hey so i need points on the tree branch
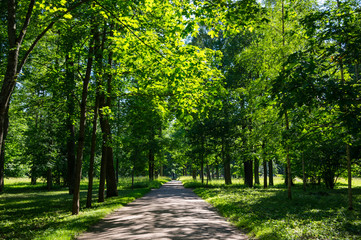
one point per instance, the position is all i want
(41, 35)
(20, 39)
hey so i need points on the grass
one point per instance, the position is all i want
(30, 212)
(318, 213)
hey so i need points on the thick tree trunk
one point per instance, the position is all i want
(248, 173)
(256, 171)
(81, 138)
(270, 172)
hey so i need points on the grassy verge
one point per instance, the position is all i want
(30, 212)
(317, 213)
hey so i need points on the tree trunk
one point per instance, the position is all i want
(217, 171)
(256, 171)
(303, 173)
(70, 82)
(2, 155)
(264, 166)
(208, 174)
(92, 154)
(270, 172)
(112, 190)
(151, 164)
(103, 166)
(349, 176)
(81, 139)
(49, 179)
(264, 173)
(248, 173)
(194, 174)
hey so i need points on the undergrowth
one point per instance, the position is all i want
(317, 213)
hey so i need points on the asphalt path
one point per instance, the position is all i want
(169, 213)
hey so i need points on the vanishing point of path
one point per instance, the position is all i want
(171, 212)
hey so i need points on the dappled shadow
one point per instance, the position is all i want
(41, 210)
(171, 212)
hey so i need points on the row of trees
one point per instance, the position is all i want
(292, 95)
(152, 87)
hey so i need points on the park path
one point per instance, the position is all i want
(171, 212)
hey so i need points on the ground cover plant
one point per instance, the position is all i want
(317, 213)
(31, 212)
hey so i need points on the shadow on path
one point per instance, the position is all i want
(171, 212)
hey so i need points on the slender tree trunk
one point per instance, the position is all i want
(70, 81)
(265, 174)
(270, 172)
(256, 171)
(227, 167)
(303, 173)
(117, 170)
(92, 155)
(349, 176)
(2, 155)
(217, 171)
(103, 166)
(264, 166)
(49, 179)
(202, 170)
(81, 139)
(208, 174)
(151, 164)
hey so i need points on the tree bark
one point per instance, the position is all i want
(248, 173)
(265, 174)
(270, 172)
(264, 166)
(49, 179)
(256, 171)
(2, 155)
(92, 154)
(349, 176)
(70, 82)
(151, 164)
(303, 173)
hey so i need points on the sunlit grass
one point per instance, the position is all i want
(31, 212)
(317, 213)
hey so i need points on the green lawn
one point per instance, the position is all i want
(31, 212)
(317, 213)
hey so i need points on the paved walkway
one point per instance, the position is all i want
(171, 212)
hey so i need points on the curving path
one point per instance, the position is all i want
(171, 212)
